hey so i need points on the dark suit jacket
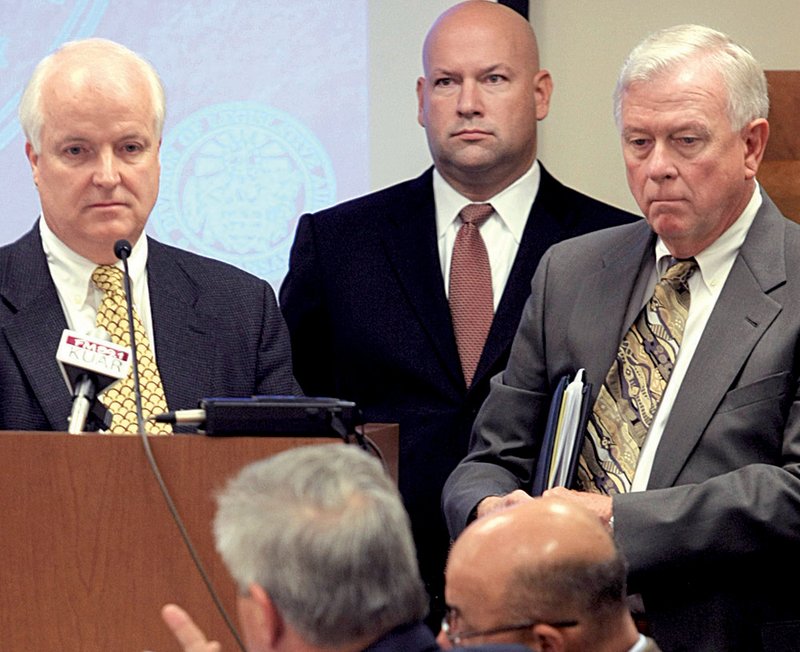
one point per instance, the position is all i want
(369, 321)
(218, 332)
(716, 536)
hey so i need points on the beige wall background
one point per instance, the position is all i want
(583, 44)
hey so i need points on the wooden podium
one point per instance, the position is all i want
(89, 551)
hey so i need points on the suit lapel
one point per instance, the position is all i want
(542, 229)
(545, 227)
(408, 237)
(184, 337)
(182, 334)
(609, 300)
(34, 331)
(743, 312)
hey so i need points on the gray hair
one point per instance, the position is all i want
(323, 530)
(662, 51)
(31, 113)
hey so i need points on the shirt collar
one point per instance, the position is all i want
(512, 204)
(720, 253)
(70, 269)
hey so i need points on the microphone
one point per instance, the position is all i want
(90, 364)
(122, 249)
(196, 417)
(303, 416)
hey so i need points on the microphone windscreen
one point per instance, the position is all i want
(122, 249)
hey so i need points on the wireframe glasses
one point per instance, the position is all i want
(456, 638)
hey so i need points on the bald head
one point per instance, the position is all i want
(543, 531)
(483, 19)
(528, 538)
(481, 97)
(547, 561)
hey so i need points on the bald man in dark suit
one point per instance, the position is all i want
(366, 297)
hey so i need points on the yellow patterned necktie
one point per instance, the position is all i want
(121, 398)
(629, 397)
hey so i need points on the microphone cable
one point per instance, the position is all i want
(122, 249)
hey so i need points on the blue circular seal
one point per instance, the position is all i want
(234, 179)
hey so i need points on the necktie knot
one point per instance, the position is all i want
(108, 278)
(476, 214)
(678, 272)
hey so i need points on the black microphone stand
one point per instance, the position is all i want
(122, 249)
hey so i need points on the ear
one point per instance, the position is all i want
(33, 159)
(547, 639)
(262, 624)
(755, 136)
(421, 101)
(543, 89)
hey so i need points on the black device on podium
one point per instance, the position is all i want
(280, 415)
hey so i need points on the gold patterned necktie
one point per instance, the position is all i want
(121, 398)
(470, 290)
(629, 397)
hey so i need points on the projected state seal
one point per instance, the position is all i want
(234, 178)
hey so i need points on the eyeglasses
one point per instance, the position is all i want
(456, 639)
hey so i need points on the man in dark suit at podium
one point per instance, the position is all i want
(92, 114)
(375, 311)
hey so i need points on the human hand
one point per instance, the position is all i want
(492, 504)
(186, 632)
(600, 504)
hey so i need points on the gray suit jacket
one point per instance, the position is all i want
(717, 534)
(218, 332)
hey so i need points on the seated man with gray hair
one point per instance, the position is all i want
(320, 545)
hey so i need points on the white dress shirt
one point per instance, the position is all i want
(641, 644)
(80, 298)
(502, 231)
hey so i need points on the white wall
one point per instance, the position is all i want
(397, 28)
(583, 44)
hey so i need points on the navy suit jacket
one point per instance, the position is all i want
(218, 332)
(369, 320)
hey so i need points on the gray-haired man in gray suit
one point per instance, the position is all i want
(709, 516)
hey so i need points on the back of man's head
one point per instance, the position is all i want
(323, 531)
(548, 562)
